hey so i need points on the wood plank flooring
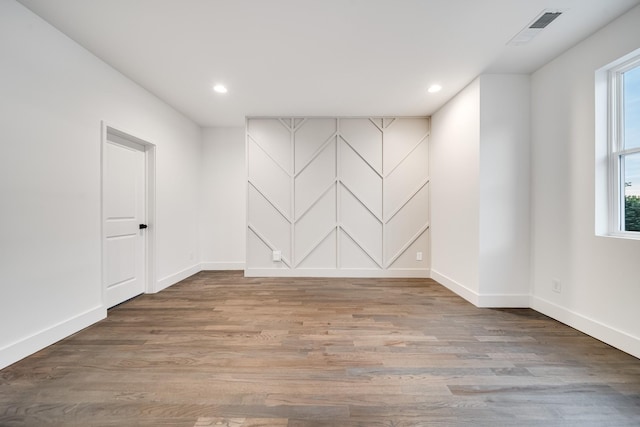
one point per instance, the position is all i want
(219, 349)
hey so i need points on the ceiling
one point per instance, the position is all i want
(317, 57)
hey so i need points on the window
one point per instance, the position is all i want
(624, 147)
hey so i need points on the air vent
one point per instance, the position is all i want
(533, 29)
(546, 19)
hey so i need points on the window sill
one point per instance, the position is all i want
(631, 235)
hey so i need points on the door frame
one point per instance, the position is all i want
(150, 285)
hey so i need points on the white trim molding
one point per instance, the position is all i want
(482, 300)
(172, 279)
(455, 287)
(219, 265)
(504, 300)
(607, 334)
(27, 346)
(320, 272)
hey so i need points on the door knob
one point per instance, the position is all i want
(143, 226)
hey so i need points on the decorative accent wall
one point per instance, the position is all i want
(337, 197)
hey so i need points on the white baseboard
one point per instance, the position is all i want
(214, 265)
(176, 277)
(319, 272)
(196, 268)
(36, 342)
(455, 287)
(618, 339)
(482, 300)
(504, 300)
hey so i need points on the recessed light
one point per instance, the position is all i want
(434, 88)
(220, 88)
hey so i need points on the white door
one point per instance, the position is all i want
(124, 216)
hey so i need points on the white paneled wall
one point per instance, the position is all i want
(338, 197)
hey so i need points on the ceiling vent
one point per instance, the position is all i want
(545, 19)
(533, 29)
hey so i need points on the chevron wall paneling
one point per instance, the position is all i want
(338, 197)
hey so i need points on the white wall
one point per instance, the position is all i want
(223, 203)
(480, 192)
(504, 216)
(338, 196)
(455, 174)
(600, 276)
(53, 96)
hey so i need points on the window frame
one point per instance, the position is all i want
(615, 146)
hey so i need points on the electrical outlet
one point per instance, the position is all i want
(277, 256)
(418, 256)
(556, 286)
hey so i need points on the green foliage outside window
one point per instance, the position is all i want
(632, 213)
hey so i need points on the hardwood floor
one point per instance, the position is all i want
(219, 349)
